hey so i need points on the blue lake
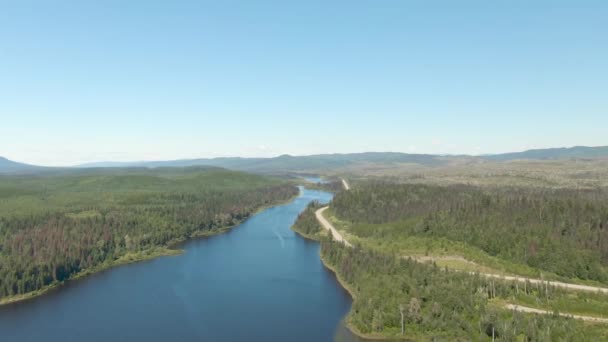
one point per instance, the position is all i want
(258, 282)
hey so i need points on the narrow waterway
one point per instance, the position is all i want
(258, 282)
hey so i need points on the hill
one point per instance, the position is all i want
(286, 163)
(321, 162)
(9, 166)
(576, 152)
(341, 162)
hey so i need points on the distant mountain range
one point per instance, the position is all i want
(577, 152)
(9, 166)
(288, 163)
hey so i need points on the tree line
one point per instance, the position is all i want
(564, 231)
(399, 297)
(50, 246)
(395, 295)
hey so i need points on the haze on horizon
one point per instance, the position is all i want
(118, 81)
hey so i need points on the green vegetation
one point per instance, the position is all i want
(564, 232)
(55, 226)
(331, 186)
(307, 224)
(559, 300)
(438, 304)
(410, 237)
(453, 254)
(573, 174)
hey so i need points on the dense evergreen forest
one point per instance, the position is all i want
(562, 231)
(429, 303)
(441, 305)
(307, 224)
(53, 226)
(331, 186)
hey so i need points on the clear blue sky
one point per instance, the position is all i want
(139, 80)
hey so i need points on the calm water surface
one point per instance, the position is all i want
(258, 282)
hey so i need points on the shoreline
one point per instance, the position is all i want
(130, 258)
(347, 323)
(345, 286)
(318, 237)
(171, 248)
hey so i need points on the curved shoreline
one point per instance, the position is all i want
(169, 249)
(338, 237)
(345, 286)
(324, 223)
(351, 292)
(126, 259)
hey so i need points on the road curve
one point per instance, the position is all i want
(334, 232)
(547, 312)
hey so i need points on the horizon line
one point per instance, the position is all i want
(84, 163)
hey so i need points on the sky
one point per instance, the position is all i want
(84, 81)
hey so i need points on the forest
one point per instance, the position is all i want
(398, 297)
(329, 186)
(54, 226)
(564, 231)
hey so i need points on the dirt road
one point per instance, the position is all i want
(546, 312)
(334, 232)
(550, 283)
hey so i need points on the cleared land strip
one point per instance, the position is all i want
(547, 282)
(547, 312)
(577, 287)
(533, 281)
(346, 186)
